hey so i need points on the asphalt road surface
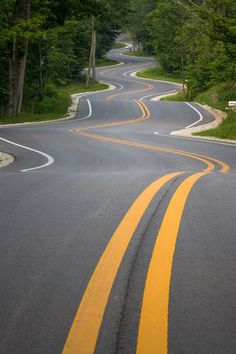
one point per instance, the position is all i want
(117, 237)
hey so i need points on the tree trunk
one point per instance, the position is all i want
(17, 62)
(94, 54)
(22, 78)
(91, 54)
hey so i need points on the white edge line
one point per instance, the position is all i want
(112, 85)
(75, 96)
(199, 113)
(198, 139)
(134, 74)
(109, 66)
(130, 72)
(49, 158)
(90, 111)
(158, 94)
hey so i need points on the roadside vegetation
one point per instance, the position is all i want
(194, 43)
(218, 97)
(118, 45)
(138, 53)
(45, 48)
(105, 62)
(227, 130)
(158, 73)
(54, 105)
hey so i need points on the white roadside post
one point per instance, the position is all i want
(232, 105)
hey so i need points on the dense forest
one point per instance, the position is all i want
(46, 44)
(195, 39)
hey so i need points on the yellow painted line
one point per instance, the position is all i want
(224, 166)
(112, 69)
(86, 325)
(209, 161)
(203, 159)
(153, 326)
(149, 88)
(145, 115)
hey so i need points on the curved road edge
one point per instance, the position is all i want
(218, 115)
(71, 112)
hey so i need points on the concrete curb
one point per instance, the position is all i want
(217, 114)
(71, 110)
(219, 118)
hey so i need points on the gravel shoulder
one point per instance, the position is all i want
(5, 159)
(219, 118)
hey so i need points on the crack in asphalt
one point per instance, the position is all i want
(123, 312)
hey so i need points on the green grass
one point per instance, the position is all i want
(138, 53)
(227, 130)
(118, 45)
(216, 97)
(54, 107)
(105, 62)
(179, 97)
(158, 74)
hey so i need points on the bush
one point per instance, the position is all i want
(51, 90)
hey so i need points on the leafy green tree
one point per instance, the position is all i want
(192, 38)
(45, 43)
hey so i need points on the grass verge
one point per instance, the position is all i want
(158, 74)
(226, 130)
(54, 107)
(119, 45)
(137, 53)
(105, 62)
(216, 97)
(179, 97)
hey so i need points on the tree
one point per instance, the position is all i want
(53, 37)
(18, 47)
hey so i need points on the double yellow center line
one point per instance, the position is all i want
(85, 328)
(149, 87)
(209, 161)
(153, 326)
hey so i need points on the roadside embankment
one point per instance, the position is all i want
(215, 101)
(55, 104)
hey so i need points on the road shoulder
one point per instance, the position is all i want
(72, 109)
(219, 117)
(5, 159)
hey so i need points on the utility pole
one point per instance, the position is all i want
(92, 56)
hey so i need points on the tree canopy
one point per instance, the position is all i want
(46, 43)
(192, 38)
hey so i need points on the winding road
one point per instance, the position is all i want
(117, 237)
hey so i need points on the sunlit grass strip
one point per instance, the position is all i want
(158, 74)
